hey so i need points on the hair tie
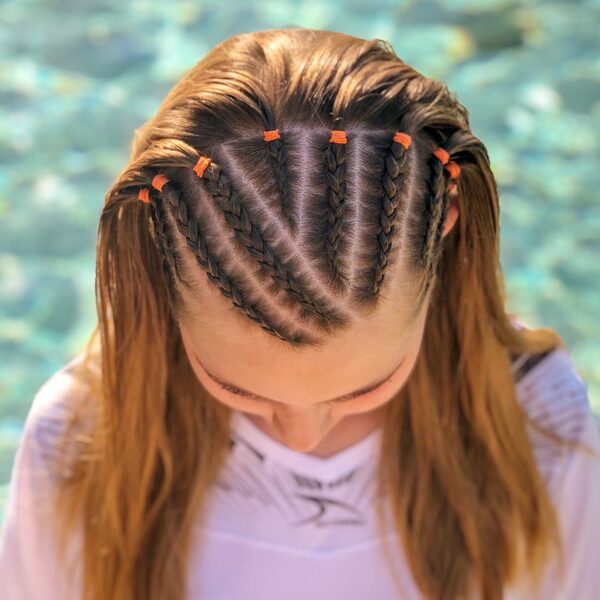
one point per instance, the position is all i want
(453, 169)
(271, 135)
(159, 181)
(402, 138)
(144, 195)
(449, 165)
(338, 137)
(442, 155)
(201, 165)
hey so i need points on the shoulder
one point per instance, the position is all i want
(64, 399)
(29, 558)
(551, 390)
(553, 394)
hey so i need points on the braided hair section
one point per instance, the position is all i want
(278, 159)
(227, 283)
(164, 241)
(219, 189)
(436, 203)
(394, 175)
(236, 214)
(335, 172)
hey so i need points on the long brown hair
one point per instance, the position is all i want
(456, 458)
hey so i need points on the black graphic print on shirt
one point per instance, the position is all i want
(303, 500)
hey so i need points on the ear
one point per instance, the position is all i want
(452, 213)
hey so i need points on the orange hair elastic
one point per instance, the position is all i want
(403, 138)
(159, 181)
(450, 166)
(144, 195)
(338, 137)
(453, 169)
(271, 135)
(442, 155)
(202, 165)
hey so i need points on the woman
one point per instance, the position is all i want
(305, 382)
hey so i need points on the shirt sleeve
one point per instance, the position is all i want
(29, 565)
(578, 498)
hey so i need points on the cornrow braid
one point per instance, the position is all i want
(236, 214)
(394, 170)
(165, 249)
(226, 283)
(335, 171)
(163, 242)
(278, 156)
(437, 204)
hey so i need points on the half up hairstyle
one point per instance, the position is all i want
(293, 168)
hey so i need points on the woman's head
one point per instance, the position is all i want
(298, 239)
(299, 259)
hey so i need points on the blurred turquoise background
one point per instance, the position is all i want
(77, 78)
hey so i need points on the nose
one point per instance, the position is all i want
(302, 429)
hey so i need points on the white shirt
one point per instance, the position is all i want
(284, 525)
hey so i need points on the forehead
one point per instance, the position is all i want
(241, 353)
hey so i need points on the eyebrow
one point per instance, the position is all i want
(230, 387)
